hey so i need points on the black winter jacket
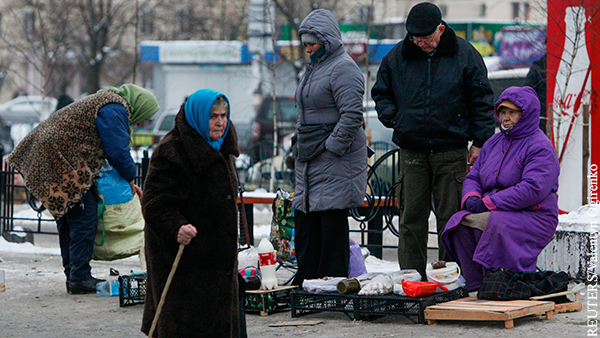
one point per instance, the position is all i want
(435, 102)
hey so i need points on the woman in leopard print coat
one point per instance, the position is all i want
(62, 156)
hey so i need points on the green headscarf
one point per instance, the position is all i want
(142, 103)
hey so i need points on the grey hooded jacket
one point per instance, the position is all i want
(331, 91)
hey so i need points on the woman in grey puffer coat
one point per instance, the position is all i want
(330, 150)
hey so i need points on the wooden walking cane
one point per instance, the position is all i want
(164, 293)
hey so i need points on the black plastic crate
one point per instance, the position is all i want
(363, 307)
(304, 303)
(132, 290)
(411, 308)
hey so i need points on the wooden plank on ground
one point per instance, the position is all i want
(478, 309)
(310, 322)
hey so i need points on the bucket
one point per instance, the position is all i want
(445, 276)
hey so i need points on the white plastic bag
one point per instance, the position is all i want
(408, 275)
(248, 257)
(326, 284)
(381, 284)
(120, 231)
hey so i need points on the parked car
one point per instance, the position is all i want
(164, 123)
(287, 114)
(161, 124)
(27, 109)
(6, 141)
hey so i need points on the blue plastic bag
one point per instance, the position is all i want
(114, 188)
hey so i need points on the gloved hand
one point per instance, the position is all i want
(475, 205)
(290, 162)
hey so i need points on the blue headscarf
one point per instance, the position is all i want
(197, 113)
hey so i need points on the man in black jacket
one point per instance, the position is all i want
(536, 79)
(432, 89)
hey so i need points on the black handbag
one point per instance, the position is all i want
(505, 284)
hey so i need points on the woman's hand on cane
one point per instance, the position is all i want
(186, 233)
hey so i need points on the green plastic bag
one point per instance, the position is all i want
(120, 231)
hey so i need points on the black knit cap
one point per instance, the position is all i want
(423, 19)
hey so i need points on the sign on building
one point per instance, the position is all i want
(573, 86)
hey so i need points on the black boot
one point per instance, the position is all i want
(79, 287)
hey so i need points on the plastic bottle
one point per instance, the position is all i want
(107, 288)
(266, 261)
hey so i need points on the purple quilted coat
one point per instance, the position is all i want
(516, 174)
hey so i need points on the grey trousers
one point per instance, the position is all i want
(423, 177)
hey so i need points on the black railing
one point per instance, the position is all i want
(12, 189)
(377, 216)
(375, 219)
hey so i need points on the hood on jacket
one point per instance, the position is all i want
(526, 99)
(322, 24)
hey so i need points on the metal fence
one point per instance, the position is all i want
(376, 219)
(13, 191)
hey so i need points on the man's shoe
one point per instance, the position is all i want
(80, 287)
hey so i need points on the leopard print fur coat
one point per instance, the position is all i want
(60, 158)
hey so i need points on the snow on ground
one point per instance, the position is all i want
(26, 248)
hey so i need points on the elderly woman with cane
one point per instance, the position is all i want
(190, 198)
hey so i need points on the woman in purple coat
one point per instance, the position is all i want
(509, 197)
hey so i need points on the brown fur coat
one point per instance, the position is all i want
(190, 182)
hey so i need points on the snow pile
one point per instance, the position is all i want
(26, 248)
(585, 219)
